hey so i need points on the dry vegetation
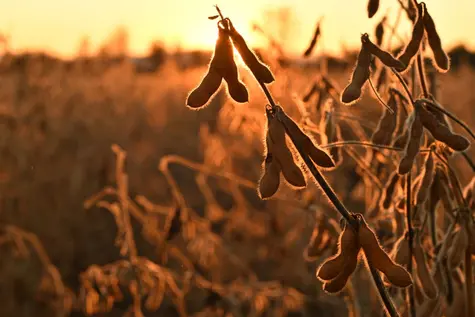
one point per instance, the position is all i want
(118, 200)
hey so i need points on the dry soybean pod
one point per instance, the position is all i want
(389, 189)
(385, 57)
(400, 251)
(224, 63)
(387, 123)
(415, 130)
(457, 250)
(338, 283)
(373, 6)
(202, 94)
(379, 259)
(347, 244)
(319, 156)
(413, 46)
(440, 131)
(270, 179)
(259, 69)
(379, 31)
(441, 60)
(423, 272)
(361, 73)
(425, 185)
(313, 248)
(282, 154)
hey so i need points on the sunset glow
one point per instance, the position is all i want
(57, 26)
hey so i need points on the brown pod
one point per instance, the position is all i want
(423, 272)
(387, 123)
(223, 62)
(209, 85)
(361, 73)
(457, 250)
(388, 192)
(400, 251)
(259, 69)
(373, 6)
(440, 131)
(270, 180)
(423, 189)
(385, 57)
(412, 47)
(348, 247)
(441, 59)
(401, 140)
(319, 156)
(338, 283)
(415, 130)
(379, 32)
(396, 274)
(282, 154)
(318, 242)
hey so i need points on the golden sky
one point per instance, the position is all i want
(58, 25)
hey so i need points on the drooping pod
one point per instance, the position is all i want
(318, 155)
(202, 94)
(440, 131)
(379, 259)
(259, 69)
(423, 272)
(415, 130)
(348, 247)
(441, 60)
(223, 62)
(389, 190)
(412, 47)
(387, 123)
(282, 154)
(361, 73)
(319, 242)
(423, 188)
(270, 179)
(400, 251)
(373, 6)
(379, 32)
(385, 57)
(457, 250)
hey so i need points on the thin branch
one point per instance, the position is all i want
(410, 234)
(381, 101)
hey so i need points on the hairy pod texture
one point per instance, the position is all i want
(412, 47)
(259, 69)
(385, 57)
(440, 131)
(270, 179)
(361, 73)
(282, 154)
(441, 60)
(415, 130)
(379, 259)
(318, 155)
(428, 172)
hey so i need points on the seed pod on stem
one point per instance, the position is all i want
(423, 272)
(387, 123)
(270, 179)
(441, 60)
(400, 251)
(379, 259)
(440, 131)
(282, 154)
(385, 57)
(428, 172)
(379, 32)
(259, 69)
(413, 46)
(415, 130)
(318, 156)
(361, 73)
(330, 131)
(348, 247)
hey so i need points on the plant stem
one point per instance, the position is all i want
(410, 233)
(404, 85)
(385, 298)
(469, 161)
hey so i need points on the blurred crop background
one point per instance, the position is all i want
(80, 80)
